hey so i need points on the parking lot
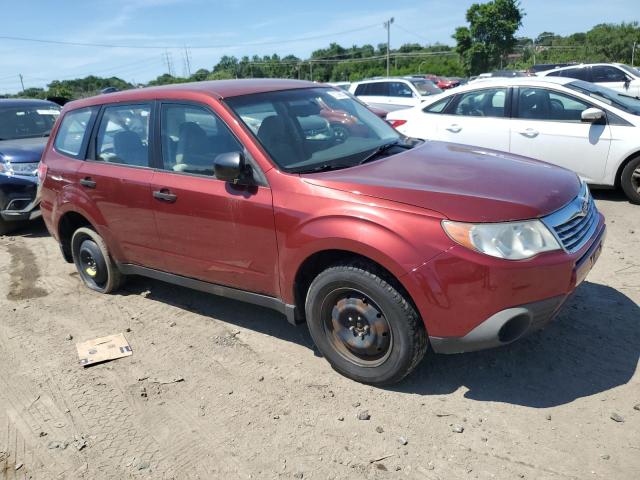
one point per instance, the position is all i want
(218, 388)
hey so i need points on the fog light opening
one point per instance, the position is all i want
(514, 328)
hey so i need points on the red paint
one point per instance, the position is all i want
(390, 210)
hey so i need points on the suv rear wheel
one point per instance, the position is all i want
(92, 259)
(366, 328)
(630, 180)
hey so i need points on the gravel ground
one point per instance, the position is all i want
(220, 389)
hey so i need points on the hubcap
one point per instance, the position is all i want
(635, 179)
(357, 327)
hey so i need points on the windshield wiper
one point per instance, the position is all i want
(381, 149)
(325, 167)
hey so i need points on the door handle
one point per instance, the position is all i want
(87, 182)
(165, 195)
(454, 128)
(529, 132)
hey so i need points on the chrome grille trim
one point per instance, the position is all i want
(575, 223)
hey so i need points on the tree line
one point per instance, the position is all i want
(487, 43)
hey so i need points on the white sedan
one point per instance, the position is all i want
(586, 128)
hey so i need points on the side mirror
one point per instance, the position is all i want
(592, 115)
(231, 167)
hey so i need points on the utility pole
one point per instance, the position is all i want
(387, 25)
(22, 82)
(311, 69)
(187, 61)
(633, 54)
(167, 60)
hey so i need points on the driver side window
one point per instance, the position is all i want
(488, 102)
(192, 137)
(544, 104)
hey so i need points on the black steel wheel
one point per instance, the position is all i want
(91, 257)
(356, 327)
(364, 324)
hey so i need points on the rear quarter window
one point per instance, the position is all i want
(73, 131)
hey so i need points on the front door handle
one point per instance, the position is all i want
(87, 182)
(454, 128)
(165, 195)
(529, 133)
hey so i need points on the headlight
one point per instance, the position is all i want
(509, 240)
(29, 169)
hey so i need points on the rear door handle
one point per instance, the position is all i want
(87, 182)
(165, 195)
(454, 128)
(529, 132)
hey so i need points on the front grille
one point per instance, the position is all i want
(574, 224)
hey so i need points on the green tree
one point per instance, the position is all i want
(490, 36)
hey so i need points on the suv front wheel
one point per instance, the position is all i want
(92, 259)
(363, 325)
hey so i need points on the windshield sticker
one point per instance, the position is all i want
(48, 112)
(338, 95)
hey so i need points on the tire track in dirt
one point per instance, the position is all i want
(24, 273)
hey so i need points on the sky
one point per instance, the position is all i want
(238, 27)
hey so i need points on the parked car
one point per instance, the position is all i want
(543, 67)
(616, 76)
(589, 129)
(383, 244)
(394, 93)
(443, 83)
(24, 128)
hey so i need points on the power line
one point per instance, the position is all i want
(412, 33)
(165, 47)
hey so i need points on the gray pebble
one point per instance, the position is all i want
(616, 418)
(341, 418)
(364, 415)
(403, 440)
(69, 337)
(379, 429)
(605, 457)
(458, 428)
(637, 407)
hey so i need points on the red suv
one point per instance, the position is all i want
(383, 244)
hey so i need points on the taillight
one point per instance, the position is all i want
(42, 172)
(396, 123)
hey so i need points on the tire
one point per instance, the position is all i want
(364, 326)
(630, 180)
(94, 264)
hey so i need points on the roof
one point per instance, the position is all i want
(214, 88)
(25, 102)
(514, 81)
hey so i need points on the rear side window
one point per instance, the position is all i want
(488, 102)
(437, 107)
(380, 89)
(123, 135)
(73, 131)
(544, 104)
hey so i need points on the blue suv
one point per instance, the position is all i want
(24, 128)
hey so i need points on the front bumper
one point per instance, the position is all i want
(18, 199)
(474, 302)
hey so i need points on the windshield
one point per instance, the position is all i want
(313, 129)
(426, 87)
(629, 69)
(616, 99)
(27, 121)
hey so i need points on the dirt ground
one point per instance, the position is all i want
(220, 389)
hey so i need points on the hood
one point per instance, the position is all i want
(463, 183)
(22, 150)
